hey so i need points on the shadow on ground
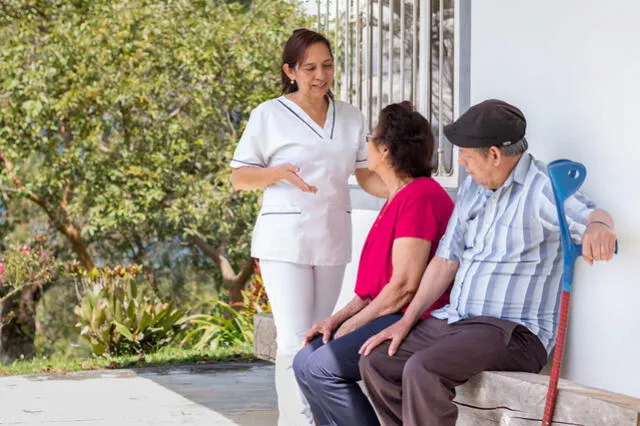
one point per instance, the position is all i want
(242, 393)
(234, 394)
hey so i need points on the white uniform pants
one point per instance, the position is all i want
(300, 295)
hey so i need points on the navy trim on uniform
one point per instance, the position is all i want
(270, 213)
(333, 121)
(248, 164)
(300, 118)
(362, 161)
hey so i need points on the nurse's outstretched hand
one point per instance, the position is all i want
(289, 172)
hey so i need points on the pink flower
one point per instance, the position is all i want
(25, 250)
(2, 268)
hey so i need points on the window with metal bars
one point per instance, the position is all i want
(393, 50)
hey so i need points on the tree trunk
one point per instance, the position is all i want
(78, 246)
(18, 323)
(235, 283)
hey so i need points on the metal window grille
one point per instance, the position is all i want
(393, 50)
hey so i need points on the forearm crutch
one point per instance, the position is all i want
(566, 177)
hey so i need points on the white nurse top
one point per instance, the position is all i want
(295, 226)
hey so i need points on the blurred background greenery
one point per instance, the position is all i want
(121, 234)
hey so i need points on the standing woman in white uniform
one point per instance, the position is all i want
(301, 148)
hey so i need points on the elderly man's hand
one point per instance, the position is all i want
(598, 242)
(396, 332)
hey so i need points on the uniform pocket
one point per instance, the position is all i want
(277, 231)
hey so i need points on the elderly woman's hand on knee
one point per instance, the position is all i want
(324, 328)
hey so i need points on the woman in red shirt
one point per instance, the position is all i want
(401, 242)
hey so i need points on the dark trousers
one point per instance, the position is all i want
(416, 386)
(327, 375)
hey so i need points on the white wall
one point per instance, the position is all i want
(573, 67)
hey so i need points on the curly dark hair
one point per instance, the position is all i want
(408, 136)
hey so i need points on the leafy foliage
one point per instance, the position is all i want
(25, 275)
(165, 356)
(118, 317)
(118, 118)
(56, 334)
(23, 267)
(228, 325)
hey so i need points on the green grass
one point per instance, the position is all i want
(166, 356)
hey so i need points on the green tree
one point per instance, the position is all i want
(118, 119)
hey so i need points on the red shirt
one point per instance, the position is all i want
(420, 210)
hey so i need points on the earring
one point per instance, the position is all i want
(293, 82)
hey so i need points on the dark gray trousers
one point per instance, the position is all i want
(416, 386)
(328, 376)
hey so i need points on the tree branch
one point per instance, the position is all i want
(246, 271)
(59, 219)
(8, 166)
(177, 110)
(232, 281)
(228, 274)
(10, 294)
(233, 130)
(7, 189)
(66, 195)
(230, 277)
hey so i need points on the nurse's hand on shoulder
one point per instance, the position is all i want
(289, 172)
(324, 328)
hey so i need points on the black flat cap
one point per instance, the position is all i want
(489, 123)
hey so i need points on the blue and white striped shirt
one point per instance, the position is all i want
(508, 244)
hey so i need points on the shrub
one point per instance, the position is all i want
(228, 325)
(22, 267)
(26, 273)
(117, 316)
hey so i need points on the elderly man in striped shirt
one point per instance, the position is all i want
(502, 252)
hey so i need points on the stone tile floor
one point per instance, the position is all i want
(212, 395)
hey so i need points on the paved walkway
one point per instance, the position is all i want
(212, 395)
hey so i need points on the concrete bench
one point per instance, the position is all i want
(264, 337)
(506, 398)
